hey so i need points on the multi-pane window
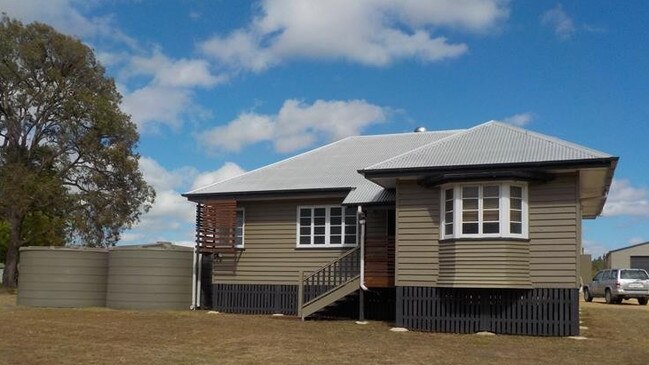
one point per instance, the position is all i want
(239, 232)
(483, 210)
(326, 226)
(516, 209)
(448, 211)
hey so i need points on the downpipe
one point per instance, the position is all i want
(194, 304)
(360, 217)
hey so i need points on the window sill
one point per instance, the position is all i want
(470, 239)
(324, 247)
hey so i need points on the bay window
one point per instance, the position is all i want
(326, 226)
(484, 210)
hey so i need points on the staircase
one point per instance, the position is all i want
(330, 283)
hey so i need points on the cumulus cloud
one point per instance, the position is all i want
(297, 125)
(519, 120)
(65, 16)
(171, 211)
(594, 248)
(167, 96)
(172, 72)
(227, 171)
(369, 32)
(626, 199)
(557, 19)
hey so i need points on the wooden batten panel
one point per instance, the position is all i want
(216, 222)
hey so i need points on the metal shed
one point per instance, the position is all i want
(635, 257)
(62, 277)
(156, 276)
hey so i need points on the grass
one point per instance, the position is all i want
(616, 334)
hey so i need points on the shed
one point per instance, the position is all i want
(154, 276)
(636, 257)
(65, 277)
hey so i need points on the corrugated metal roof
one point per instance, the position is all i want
(488, 144)
(331, 166)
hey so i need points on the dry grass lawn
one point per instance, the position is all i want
(617, 334)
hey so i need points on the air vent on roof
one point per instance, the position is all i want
(420, 129)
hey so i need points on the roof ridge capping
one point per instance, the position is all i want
(195, 191)
(540, 136)
(460, 132)
(552, 139)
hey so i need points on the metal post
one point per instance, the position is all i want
(361, 305)
(300, 295)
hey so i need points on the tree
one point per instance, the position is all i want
(67, 151)
(599, 263)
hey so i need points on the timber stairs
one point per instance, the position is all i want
(331, 283)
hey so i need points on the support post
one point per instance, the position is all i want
(300, 295)
(361, 305)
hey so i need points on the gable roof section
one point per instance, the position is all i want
(330, 167)
(491, 143)
(627, 247)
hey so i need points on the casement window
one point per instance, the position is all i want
(240, 229)
(484, 210)
(326, 226)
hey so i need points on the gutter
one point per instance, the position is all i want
(597, 162)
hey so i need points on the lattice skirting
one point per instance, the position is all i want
(539, 312)
(255, 298)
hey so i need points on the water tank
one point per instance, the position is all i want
(157, 276)
(62, 277)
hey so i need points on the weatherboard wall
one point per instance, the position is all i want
(270, 255)
(547, 259)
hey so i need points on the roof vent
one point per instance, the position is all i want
(420, 129)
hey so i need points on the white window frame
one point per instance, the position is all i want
(243, 230)
(503, 207)
(327, 243)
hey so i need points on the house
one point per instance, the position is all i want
(470, 230)
(635, 257)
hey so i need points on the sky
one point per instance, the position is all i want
(218, 88)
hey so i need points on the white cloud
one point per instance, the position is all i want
(594, 248)
(557, 19)
(297, 125)
(636, 240)
(625, 199)
(171, 212)
(165, 99)
(227, 171)
(65, 16)
(370, 32)
(175, 73)
(519, 120)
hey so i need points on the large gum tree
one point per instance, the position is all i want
(67, 151)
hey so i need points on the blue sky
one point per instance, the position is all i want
(222, 87)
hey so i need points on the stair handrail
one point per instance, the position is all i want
(338, 272)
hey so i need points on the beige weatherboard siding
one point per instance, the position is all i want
(548, 259)
(270, 255)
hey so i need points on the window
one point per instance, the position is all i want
(598, 277)
(634, 275)
(483, 210)
(324, 226)
(239, 232)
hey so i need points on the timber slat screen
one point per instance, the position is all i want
(539, 312)
(216, 223)
(255, 298)
(334, 274)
